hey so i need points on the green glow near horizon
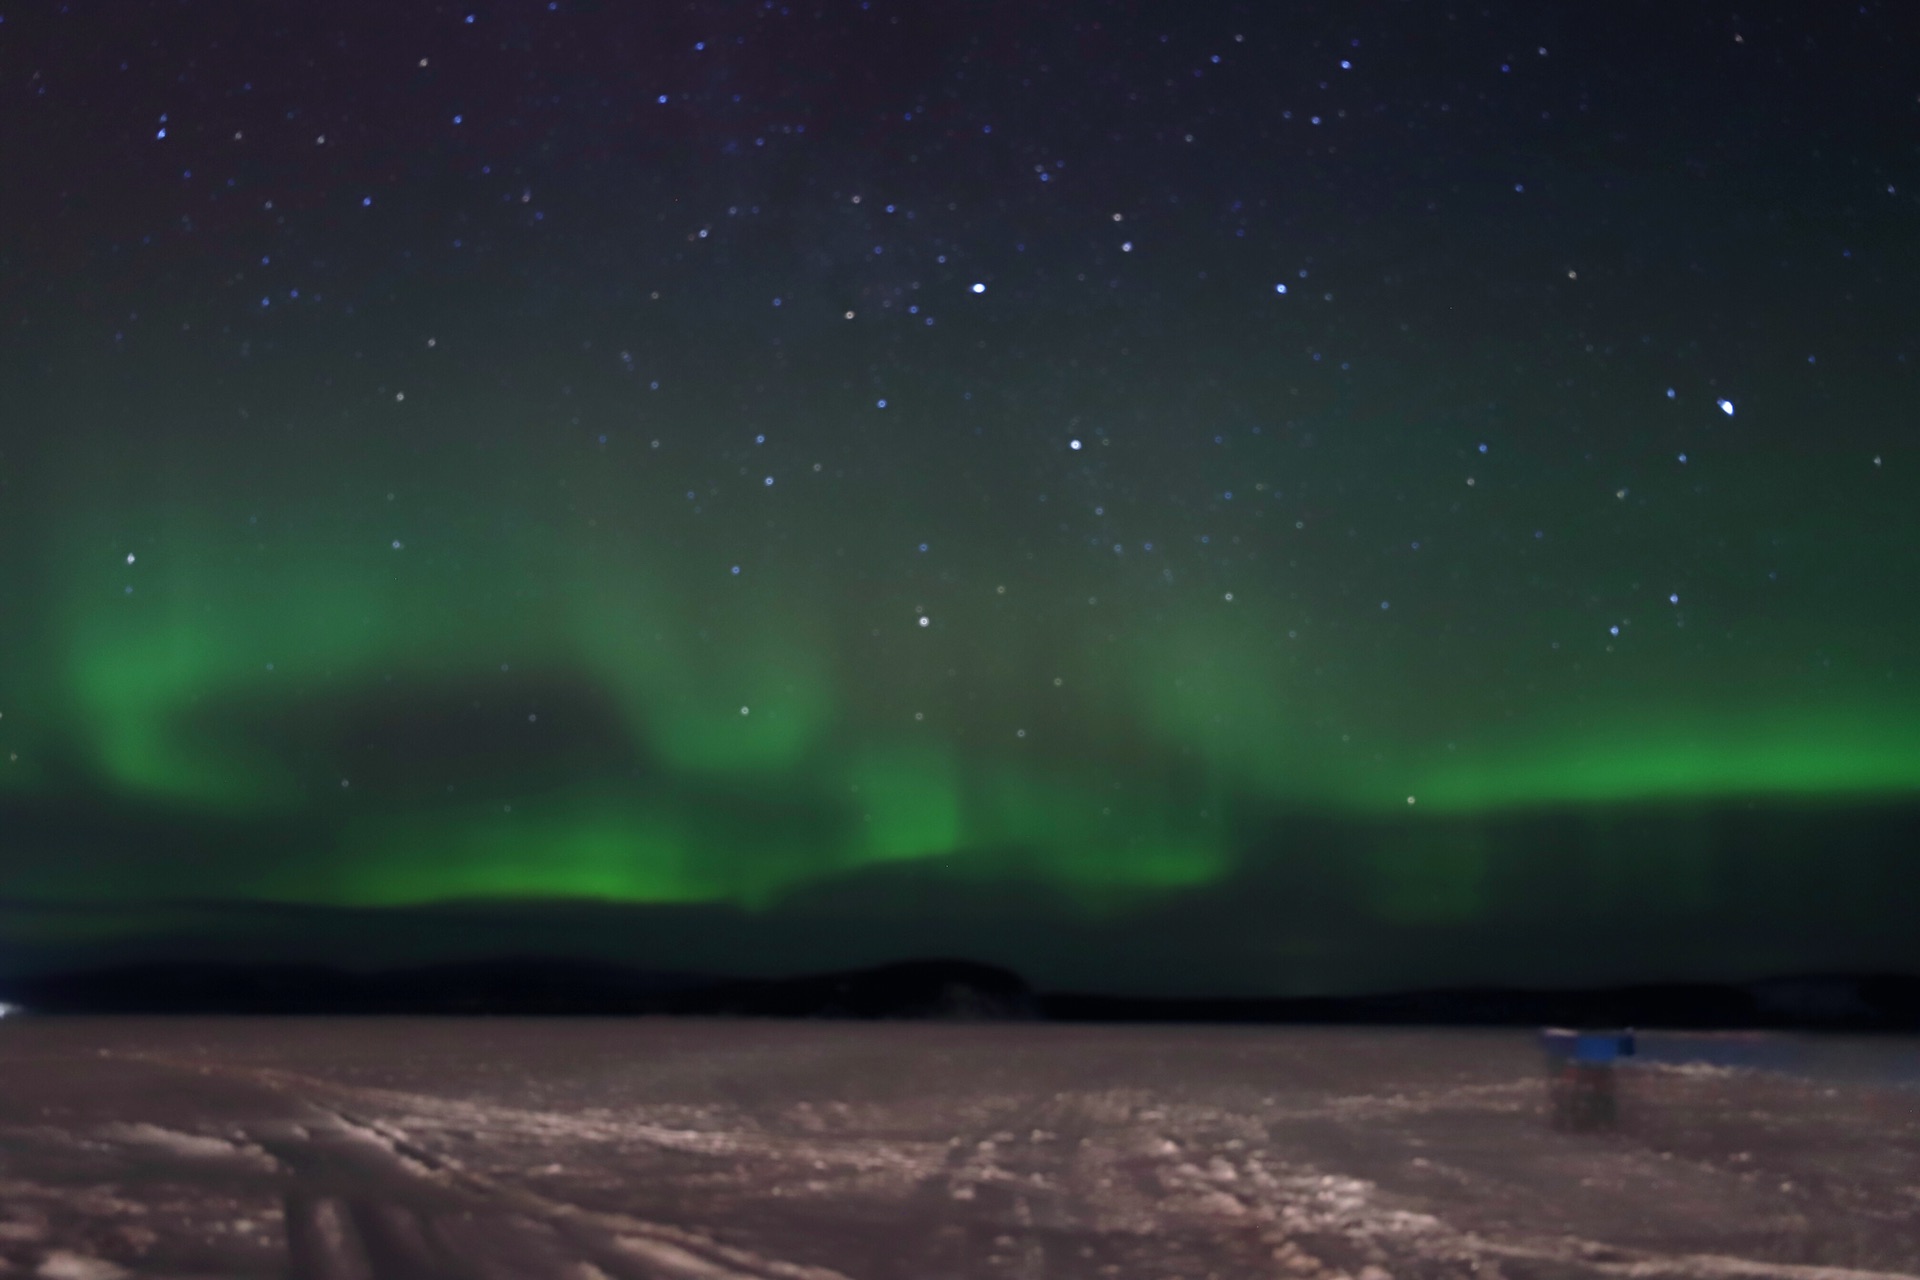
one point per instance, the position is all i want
(1136, 772)
(1859, 751)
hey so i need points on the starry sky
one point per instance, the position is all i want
(1222, 498)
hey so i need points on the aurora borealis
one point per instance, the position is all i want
(1350, 492)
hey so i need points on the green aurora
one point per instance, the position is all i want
(1285, 484)
(561, 708)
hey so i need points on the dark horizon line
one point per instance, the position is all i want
(934, 989)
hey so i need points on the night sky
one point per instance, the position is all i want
(1195, 498)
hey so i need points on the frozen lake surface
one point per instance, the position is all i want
(341, 1148)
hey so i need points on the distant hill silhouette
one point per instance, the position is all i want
(944, 989)
(941, 989)
(1863, 1002)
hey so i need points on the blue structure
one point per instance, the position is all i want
(1581, 1092)
(1587, 1046)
